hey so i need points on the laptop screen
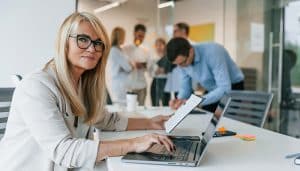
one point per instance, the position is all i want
(212, 126)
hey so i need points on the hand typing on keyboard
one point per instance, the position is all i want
(147, 142)
(181, 152)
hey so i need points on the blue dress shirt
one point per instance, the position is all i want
(213, 68)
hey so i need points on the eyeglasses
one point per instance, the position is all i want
(84, 41)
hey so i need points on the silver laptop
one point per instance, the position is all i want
(189, 149)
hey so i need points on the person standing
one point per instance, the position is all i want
(118, 68)
(163, 66)
(182, 29)
(138, 54)
(207, 63)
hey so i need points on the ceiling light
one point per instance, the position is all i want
(166, 4)
(107, 7)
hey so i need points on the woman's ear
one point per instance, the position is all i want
(191, 56)
(191, 53)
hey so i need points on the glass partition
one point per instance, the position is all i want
(260, 35)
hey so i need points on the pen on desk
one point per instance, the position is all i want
(292, 155)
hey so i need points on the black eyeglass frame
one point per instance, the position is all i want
(76, 36)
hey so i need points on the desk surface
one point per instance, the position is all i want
(267, 152)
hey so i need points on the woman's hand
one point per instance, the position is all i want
(144, 143)
(176, 103)
(158, 122)
(138, 145)
(159, 71)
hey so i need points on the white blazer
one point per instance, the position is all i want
(40, 133)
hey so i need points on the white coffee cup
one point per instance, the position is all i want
(131, 101)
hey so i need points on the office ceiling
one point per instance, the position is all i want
(93, 4)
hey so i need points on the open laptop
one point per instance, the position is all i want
(189, 149)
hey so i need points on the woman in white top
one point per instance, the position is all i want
(54, 111)
(117, 68)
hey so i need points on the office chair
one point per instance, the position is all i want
(5, 100)
(248, 106)
(250, 81)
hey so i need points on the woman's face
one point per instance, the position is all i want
(84, 48)
(160, 48)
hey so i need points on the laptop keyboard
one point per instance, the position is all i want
(181, 154)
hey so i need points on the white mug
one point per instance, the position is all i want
(131, 101)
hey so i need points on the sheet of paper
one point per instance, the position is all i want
(182, 112)
(257, 37)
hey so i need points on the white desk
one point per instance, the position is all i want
(267, 152)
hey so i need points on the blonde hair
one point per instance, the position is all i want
(91, 103)
(117, 35)
(160, 40)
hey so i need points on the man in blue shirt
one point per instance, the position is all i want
(207, 63)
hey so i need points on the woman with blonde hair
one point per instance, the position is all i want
(118, 68)
(162, 67)
(54, 111)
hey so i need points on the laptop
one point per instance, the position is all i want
(189, 149)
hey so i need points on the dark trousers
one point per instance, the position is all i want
(157, 92)
(213, 107)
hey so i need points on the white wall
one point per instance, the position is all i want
(127, 16)
(201, 11)
(29, 27)
(230, 28)
(28, 32)
(220, 12)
